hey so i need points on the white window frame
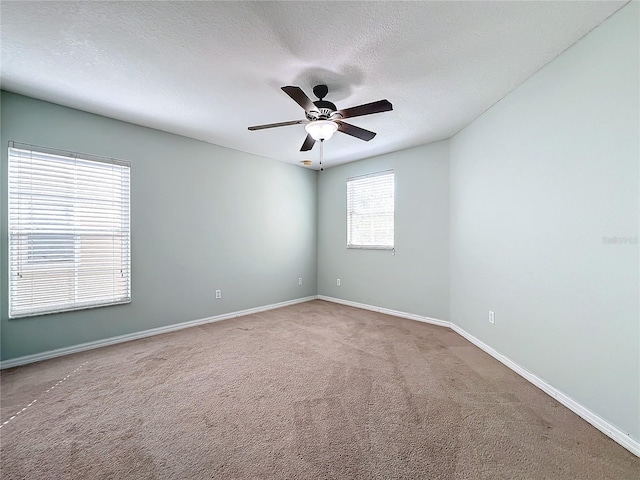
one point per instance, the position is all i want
(359, 181)
(55, 195)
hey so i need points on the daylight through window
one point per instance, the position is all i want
(69, 231)
(370, 211)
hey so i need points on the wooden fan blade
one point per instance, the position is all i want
(308, 144)
(281, 124)
(300, 98)
(367, 109)
(354, 131)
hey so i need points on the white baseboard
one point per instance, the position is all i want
(14, 362)
(601, 424)
(605, 427)
(387, 311)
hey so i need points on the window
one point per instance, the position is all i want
(69, 240)
(370, 211)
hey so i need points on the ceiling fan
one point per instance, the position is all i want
(323, 119)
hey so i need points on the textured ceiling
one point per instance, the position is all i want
(208, 70)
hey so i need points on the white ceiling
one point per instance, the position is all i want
(208, 70)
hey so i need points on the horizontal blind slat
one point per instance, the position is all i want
(370, 210)
(69, 232)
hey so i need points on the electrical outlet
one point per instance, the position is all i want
(338, 282)
(218, 293)
(492, 317)
(300, 281)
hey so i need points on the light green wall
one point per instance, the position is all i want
(203, 217)
(508, 216)
(536, 183)
(416, 278)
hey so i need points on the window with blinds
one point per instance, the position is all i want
(370, 211)
(69, 231)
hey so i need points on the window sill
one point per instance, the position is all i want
(370, 247)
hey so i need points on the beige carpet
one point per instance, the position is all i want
(316, 390)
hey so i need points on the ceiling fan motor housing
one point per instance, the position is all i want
(326, 111)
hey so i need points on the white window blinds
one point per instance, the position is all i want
(69, 231)
(370, 211)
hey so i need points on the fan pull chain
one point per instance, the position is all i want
(321, 153)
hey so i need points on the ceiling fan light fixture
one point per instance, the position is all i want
(321, 129)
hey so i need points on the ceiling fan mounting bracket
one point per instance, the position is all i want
(320, 91)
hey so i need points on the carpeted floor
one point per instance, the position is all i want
(313, 391)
